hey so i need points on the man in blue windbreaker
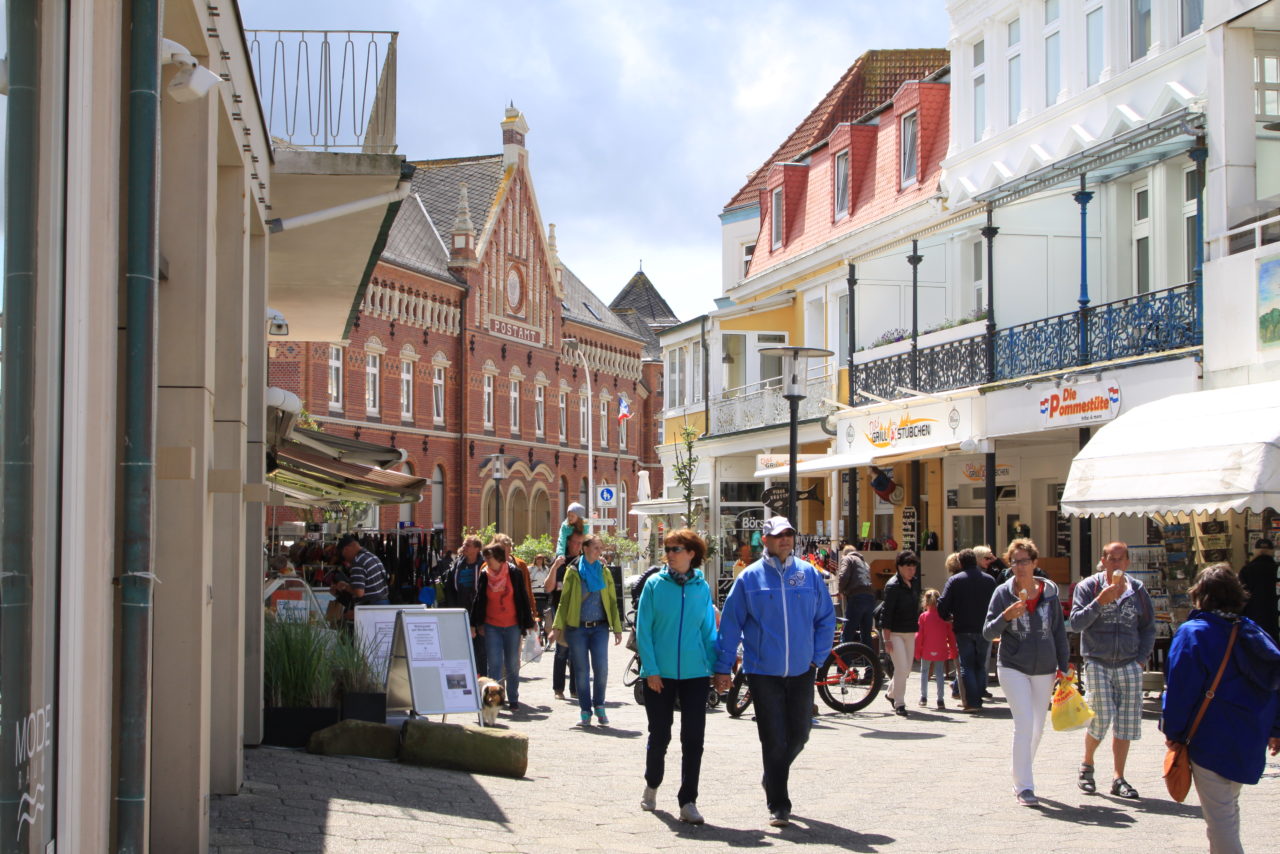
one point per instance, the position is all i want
(779, 609)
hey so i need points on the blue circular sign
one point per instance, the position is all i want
(606, 493)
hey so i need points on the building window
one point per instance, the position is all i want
(979, 89)
(842, 307)
(1190, 194)
(1266, 82)
(976, 262)
(604, 423)
(372, 372)
(775, 216)
(335, 377)
(583, 425)
(1014, 78)
(842, 184)
(515, 406)
(909, 153)
(747, 252)
(695, 373)
(539, 410)
(676, 377)
(622, 432)
(1139, 28)
(1141, 240)
(406, 389)
(1095, 44)
(1192, 16)
(564, 415)
(488, 401)
(437, 394)
(1052, 53)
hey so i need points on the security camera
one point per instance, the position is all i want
(192, 82)
(276, 324)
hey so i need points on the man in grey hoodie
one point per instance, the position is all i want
(1116, 620)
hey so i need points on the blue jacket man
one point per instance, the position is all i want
(779, 609)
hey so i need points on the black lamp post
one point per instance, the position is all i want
(793, 392)
(498, 470)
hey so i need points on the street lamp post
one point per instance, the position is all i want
(498, 464)
(572, 347)
(793, 392)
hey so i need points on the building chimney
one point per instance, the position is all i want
(514, 128)
(462, 237)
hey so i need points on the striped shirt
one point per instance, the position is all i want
(367, 572)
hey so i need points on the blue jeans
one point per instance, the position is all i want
(939, 675)
(592, 643)
(659, 708)
(857, 626)
(973, 657)
(502, 649)
(784, 714)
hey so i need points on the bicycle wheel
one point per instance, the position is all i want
(631, 675)
(638, 690)
(713, 698)
(850, 678)
(739, 695)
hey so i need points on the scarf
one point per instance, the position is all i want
(498, 580)
(592, 575)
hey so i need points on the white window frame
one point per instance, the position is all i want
(604, 422)
(1142, 237)
(909, 149)
(1183, 8)
(1051, 39)
(336, 355)
(437, 394)
(1189, 221)
(488, 401)
(1013, 71)
(978, 88)
(515, 406)
(372, 382)
(1095, 27)
(748, 250)
(539, 410)
(775, 217)
(583, 403)
(695, 372)
(564, 416)
(406, 389)
(840, 191)
(1135, 30)
(622, 429)
(978, 267)
(1266, 52)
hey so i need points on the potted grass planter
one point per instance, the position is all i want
(298, 681)
(360, 685)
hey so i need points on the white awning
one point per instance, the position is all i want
(825, 463)
(1206, 451)
(658, 507)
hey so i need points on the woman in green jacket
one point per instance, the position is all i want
(676, 636)
(588, 612)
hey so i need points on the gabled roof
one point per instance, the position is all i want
(640, 296)
(419, 242)
(583, 306)
(872, 80)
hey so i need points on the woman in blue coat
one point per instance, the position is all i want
(1242, 719)
(676, 638)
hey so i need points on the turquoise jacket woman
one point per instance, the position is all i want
(676, 627)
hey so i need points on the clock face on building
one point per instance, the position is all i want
(513, 289)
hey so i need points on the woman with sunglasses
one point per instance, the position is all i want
(588, 611)
(676, 637)
(1027, 617)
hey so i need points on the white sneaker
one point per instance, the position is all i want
(649, 799)
(689, 813)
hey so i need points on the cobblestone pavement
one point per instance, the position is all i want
(935, 782)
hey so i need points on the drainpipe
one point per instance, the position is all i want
(1083, 197)
(137, 460)
(852, 281)
(19, 413)
(914, 260)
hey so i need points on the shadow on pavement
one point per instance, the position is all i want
(1086, 814)
(711, 832)
(823, 832)
(611, 731)
(900, 735)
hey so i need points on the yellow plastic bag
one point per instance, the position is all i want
(1069, 711)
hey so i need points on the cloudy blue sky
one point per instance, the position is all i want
(645, 117)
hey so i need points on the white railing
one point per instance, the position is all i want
(327, 90)
(761, 404)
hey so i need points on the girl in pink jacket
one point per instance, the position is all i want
(935, 645)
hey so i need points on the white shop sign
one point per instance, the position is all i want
(909, 428)
(1083, 403)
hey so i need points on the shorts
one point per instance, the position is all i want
(1115, 695)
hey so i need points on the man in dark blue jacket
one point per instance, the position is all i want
(964, 602)
(779, 609)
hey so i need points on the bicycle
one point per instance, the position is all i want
(848, 680)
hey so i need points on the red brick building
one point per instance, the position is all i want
(458, 352)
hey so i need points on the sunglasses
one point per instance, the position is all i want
(674, 549)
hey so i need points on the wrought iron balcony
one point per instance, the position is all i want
(327, 90)
(762, 404)
(1156, 322)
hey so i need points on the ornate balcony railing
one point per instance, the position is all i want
(762, 404)
(955, 364)
(327, 90)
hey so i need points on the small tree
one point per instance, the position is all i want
(684, 470)
(622, 547)
(485, 534)
(532, 546)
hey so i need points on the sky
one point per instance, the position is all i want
(645, 117)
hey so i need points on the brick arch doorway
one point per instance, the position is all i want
(540, 514)
(517, 513)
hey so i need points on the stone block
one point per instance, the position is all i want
(464, 747)
(356, 738)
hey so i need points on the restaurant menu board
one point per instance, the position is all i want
(374, 626)
(432, 668)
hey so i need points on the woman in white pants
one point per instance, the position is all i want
(1026, 615)
(899, 621)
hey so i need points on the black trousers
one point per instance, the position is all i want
(784, 714)
(660, 708)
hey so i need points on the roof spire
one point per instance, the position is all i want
(463, 234)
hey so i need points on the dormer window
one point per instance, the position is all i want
(775, 216)
(842, 185)
(910, 154)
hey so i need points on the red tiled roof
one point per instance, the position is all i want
(870, 81)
